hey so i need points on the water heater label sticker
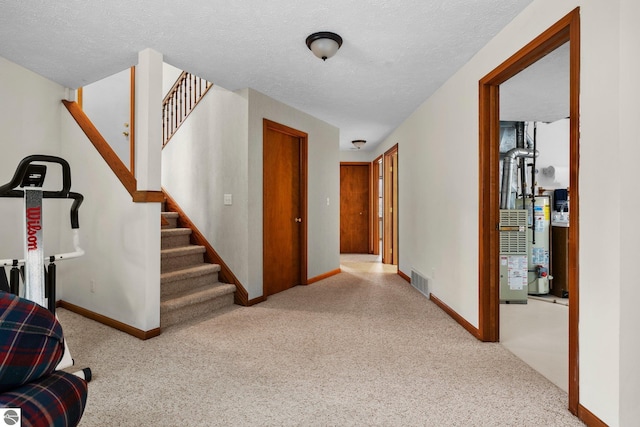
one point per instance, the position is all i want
(539, 256)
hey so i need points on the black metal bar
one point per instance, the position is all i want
(4, 283)
(14, 276)
(50, 290)
(7, 190)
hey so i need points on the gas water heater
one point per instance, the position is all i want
(538, 242)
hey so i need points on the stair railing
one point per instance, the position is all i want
(185, 94)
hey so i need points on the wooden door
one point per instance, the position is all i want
(376, 206)
(354, 207)
(284, 208)
(390, 217)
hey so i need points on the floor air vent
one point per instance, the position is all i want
(420, 282)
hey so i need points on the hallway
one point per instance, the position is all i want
(359, 348)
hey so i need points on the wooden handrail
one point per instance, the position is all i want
(119, 169)
(180, 101)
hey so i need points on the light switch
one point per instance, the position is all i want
(228, 199)
(327, 201)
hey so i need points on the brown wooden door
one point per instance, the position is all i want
(284, 208)
(390, 217)
(354, 208)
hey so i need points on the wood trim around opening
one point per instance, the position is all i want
(565, 30)
(304, 182)
(390, 243)
(376, 168)
(132, 122)
(370, 233)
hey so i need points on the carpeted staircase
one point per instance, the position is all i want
(189, 286)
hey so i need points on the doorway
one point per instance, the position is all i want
(284, 207)
(565, 30)
(355, 199)
(377, 207)
(390, 201)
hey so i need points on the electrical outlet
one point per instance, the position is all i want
(433, 273)
(92, 286)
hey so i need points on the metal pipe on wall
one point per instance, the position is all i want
(507, 173)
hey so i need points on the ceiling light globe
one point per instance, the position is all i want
(324, 44)
(324, 48)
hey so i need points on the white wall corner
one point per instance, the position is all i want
(70, 94)
(148, 117)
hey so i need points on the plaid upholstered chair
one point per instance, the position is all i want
(31, 346)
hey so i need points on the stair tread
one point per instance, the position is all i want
(196, 295)
(182, 250)
(174, 231)
(170, 214)
(189, 272)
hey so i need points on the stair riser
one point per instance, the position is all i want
(180, 261)
(178, 286)
(174, 241)
(183, 314)
(173, 222)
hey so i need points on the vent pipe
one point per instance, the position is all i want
(508, 165)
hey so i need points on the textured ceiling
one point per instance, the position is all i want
(395, 53)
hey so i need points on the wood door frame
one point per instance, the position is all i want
(565, 30)
(370, 232)
(390, 200)
(304, 149)
(376, 166)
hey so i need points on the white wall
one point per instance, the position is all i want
(119, 276)
(218, 151)
(169, 76)
(629, 207)
(323, 239)
(205, 159)
(30, 123)
(435, 150)
(356, 156)
(114, 231)
(553, 145)
(114, 234)
(107, 103)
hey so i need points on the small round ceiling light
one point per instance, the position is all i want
(324, 44)
(358, 143)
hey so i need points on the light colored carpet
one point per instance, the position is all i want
(360, 348)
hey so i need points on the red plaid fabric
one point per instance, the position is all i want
(31, 342)
(31, 346)
(57, 400)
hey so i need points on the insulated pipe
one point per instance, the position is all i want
(508, 164)
(520, 144)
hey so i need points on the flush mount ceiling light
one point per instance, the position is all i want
(358, 143)
(324, 44)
